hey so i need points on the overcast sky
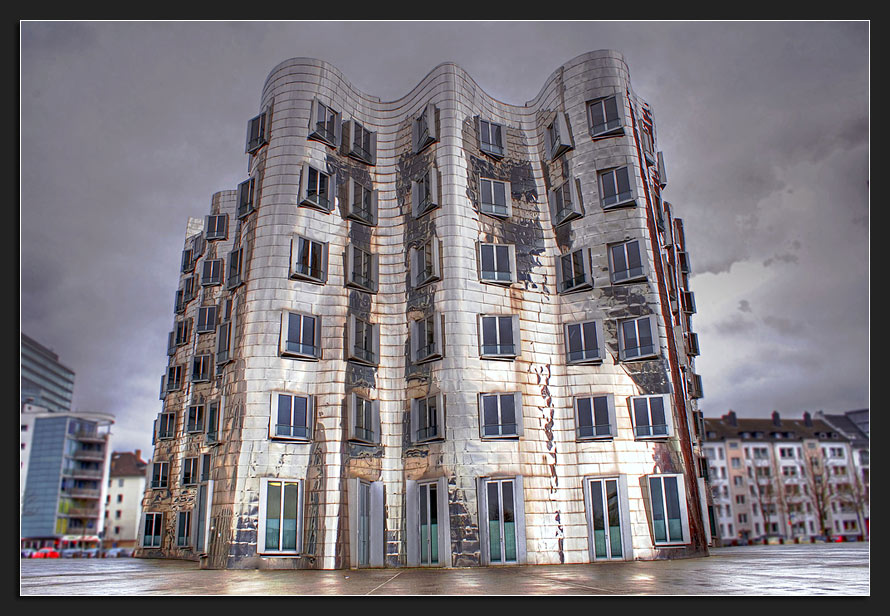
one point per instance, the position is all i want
(127, 129)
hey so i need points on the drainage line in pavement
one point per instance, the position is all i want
(386, 582)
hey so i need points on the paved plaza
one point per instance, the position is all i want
(773, 570)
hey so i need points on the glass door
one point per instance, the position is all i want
(501, 521)
(429, 524)
(364, 524)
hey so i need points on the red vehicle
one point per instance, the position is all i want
(46, 553)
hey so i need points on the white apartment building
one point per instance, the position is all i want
(123, 504)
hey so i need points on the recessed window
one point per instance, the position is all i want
(291, 416)
(427, 339)
(187, 263)
(687, 301)
(183, 331)
(257, 132)
(495, 198)
(363, 341)
(202, 368)
(189, 288)
(317, 188)
(216, 226)
(300, 336)
(225, 333)
(574, 270)
(648, 142)
(362, 269)
(280, 517)
(160, 475)
(500, 414)
(615, 188)
(497, 263)
(195, 419)
(153, 529)
(499, 336)
(309, 259)
(428, 418)
(189, 471)
(364, 420)
(604, 116)
(245, 198)
(324, 124)
(491, 137)
(211, 272)
(179, 303)
(361, 143)
(425, 128)
(362, 203)
(565, 202)
(426, 262)
(559, 137)
(637, 338)
(625, 262)
(584, 342)
(667, 502)
(651, 416)
(206, 319)
(595, 417)
(425, 193)
(236, 268)
(212, 433)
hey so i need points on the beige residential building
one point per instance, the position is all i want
(123, 501)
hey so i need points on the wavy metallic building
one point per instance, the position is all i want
(436, 331)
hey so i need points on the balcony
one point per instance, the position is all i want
(92, 436)
(82, 493)
(88, 473)
(82, 512)
(89, 454)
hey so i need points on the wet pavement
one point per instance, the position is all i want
(789, 570)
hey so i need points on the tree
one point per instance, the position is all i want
(817, 488)
(764, 488)
(855, 494)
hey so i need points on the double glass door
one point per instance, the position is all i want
(605, 518)
(501, 521)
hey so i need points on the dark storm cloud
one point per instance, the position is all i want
(127, 129)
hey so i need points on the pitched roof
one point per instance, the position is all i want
(127, 464)
(786, 430)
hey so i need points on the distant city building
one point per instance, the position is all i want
(64, 466)
(789, 479)
(442, 331)
(123, 502)
(45, 382)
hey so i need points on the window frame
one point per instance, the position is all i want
(629, 275)
(157, 526)
(174, 384)
(623, 517)
(489, 207)
(371, 410)
(246, 198)
(654, 333)
(578, 283)
(357, 213)
(436, 349)
(425, 192)
(190, 475)
(432, 270)
(321, 131)
(413, 492)
(426, 119)
(212, 421)
(517, 416)
(376, 521)
(619, 199)
(362, 354)
(494, 150)
(284, 335)
(161, 470)
(212, 227)
(682, 505)
(274, 408)
(196, 425)
(225, 332)
(419, 420)
(557, 194)
(167, 423)
(563, 142)
(325, 203)
(353, 150)
(612, 127)
(584, 351)
(667, 410)
(610, 414)
(259, 137)
(209, 280)
(205, 324)
(499, 353)
(235, 270)
(204, 363)
(373, 263)
(518, 516)
(511, 263)
(299, 244)
(261, 548)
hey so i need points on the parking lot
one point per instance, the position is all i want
(774, 570)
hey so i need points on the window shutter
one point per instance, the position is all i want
(283, 335)
(346, 136)
(375, 342)
(482, 512)
(324, 262)
(374, 148)
(434, 187)
(317, 336)
(517, 340)
(662, 174)
(519, 516)
(374, 207)
(338, 129)
(439, 335)
(565, 135)
(440, 418)
(415, 339)
(415, 198)
(415, 266)
(437, 258)
(375, 421)
(412, 521)
(333, 191)
(511, 253)
(517, 401)
(575, 192)
(313, 116)
(375, 273)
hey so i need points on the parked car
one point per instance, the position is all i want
(89, 553)
(46, 553)
(117, 552)
(70, 553)
(28, 552)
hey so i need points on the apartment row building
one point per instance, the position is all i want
(442, 331)
(797, 480)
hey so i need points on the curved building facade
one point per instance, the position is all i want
(447, 331)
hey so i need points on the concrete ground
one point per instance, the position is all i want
(790, 570)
